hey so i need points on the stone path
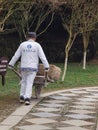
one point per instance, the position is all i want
(74, 109)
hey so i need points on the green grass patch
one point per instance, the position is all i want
(11, 87)
(75, 77)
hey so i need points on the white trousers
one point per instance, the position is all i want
(27, 83)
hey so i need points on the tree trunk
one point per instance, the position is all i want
(84, 60)
(85, 42)
(68, 46)
(65, 68)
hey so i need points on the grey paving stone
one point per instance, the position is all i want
(91, 96)
(79, 92)
(85, 103)
(51, 105)
(97, 126)
(72, 128)
(78, 122)
(95, 94)
(87, 99)
(45, 114)
(79, 116)
(67, 94)
(4, 127)
(34, 127)
(60, 97)
(83, 107)
(23, 110)
(54, 101)
(46, 109)
(41, 121)
(11, 120)
(82, 111)
(92, 90)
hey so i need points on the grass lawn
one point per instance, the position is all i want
(75, 77)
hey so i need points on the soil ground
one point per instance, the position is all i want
(8, 104)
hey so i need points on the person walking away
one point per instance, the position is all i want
(30, 52)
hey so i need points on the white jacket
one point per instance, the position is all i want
(30, 52)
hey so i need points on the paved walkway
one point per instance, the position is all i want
(74, 109)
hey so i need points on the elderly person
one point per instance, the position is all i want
(30, 52)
